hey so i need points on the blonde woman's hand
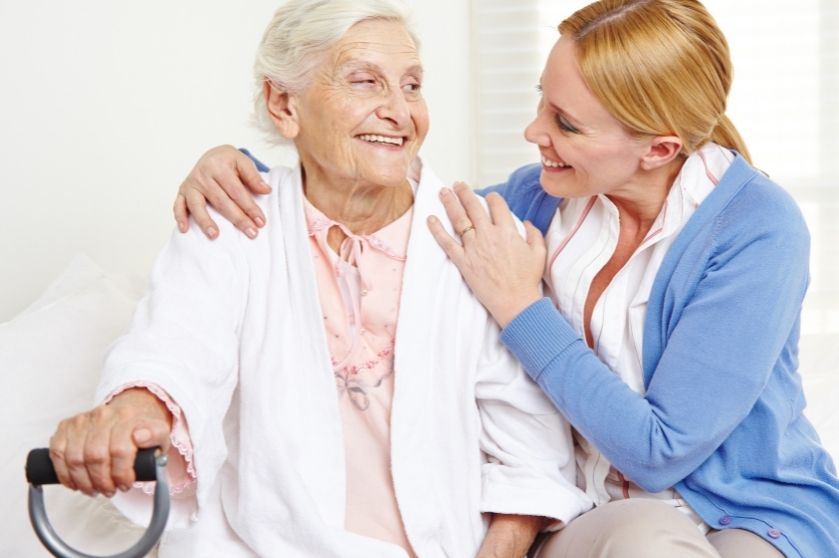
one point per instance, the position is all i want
(94, 451)
(226, 179)
(502, 268)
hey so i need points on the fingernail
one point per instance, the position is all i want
(259, 222)
(108, 494)
(124, 487)
(181, 226)
(142, 435)
(212, 232)
(444, 192)
(251, 232)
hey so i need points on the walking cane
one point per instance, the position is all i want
(150, 465)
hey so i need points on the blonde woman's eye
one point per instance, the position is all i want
(565, 126)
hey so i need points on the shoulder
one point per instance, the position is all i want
(281, 179)
(750, 220)
(760, 205)
(279, 175)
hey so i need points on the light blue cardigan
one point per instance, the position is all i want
(721, 419)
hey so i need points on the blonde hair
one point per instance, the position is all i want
(659, 67)
(300, 32)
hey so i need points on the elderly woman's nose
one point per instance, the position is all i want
(395, 108)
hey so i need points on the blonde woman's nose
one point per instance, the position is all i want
(536, 133)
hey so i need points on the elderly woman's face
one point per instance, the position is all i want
(363, 118)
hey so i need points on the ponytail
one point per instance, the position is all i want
(726, 135)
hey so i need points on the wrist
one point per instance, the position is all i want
(511, 535)
(143, 401)
(507, 311)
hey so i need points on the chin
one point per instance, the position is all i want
(389, 180)
(552, 186)
(562, 187)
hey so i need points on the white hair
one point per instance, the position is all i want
(302, 30)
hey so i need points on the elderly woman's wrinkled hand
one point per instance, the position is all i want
(502, 268)
(94, 451)
(228, 179)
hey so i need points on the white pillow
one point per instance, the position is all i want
(51, 356)
(82, 273)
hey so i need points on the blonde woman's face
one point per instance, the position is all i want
(584, 149)
(364, 118)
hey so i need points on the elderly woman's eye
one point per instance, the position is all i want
(412, 87)
(362, 80)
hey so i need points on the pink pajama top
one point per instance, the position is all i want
(359, 291)
(359, 288)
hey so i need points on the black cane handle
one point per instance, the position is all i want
(39, 469)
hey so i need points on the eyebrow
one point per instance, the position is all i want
(576, 121)
(354, 64)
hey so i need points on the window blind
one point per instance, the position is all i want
(511, 40)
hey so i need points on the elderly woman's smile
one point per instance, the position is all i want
(360, 122)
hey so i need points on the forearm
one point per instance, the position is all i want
(510, 536)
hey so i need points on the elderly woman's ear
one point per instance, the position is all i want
(283, 110)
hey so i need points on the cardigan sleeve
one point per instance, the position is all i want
(724, 324)
(260, 166)
(184, 338)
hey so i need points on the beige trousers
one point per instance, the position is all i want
(642, 528)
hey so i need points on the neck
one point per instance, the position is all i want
(640, 202)
(363, 208)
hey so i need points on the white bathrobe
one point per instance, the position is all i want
(232, 330)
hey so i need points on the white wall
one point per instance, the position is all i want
(105, 106)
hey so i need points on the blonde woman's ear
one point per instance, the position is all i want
(662, 150)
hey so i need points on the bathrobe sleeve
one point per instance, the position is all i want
(184, 338)
(530, 468)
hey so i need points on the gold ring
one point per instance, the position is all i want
(471, 227)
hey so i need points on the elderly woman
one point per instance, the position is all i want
(333, 388)
(677, 272)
